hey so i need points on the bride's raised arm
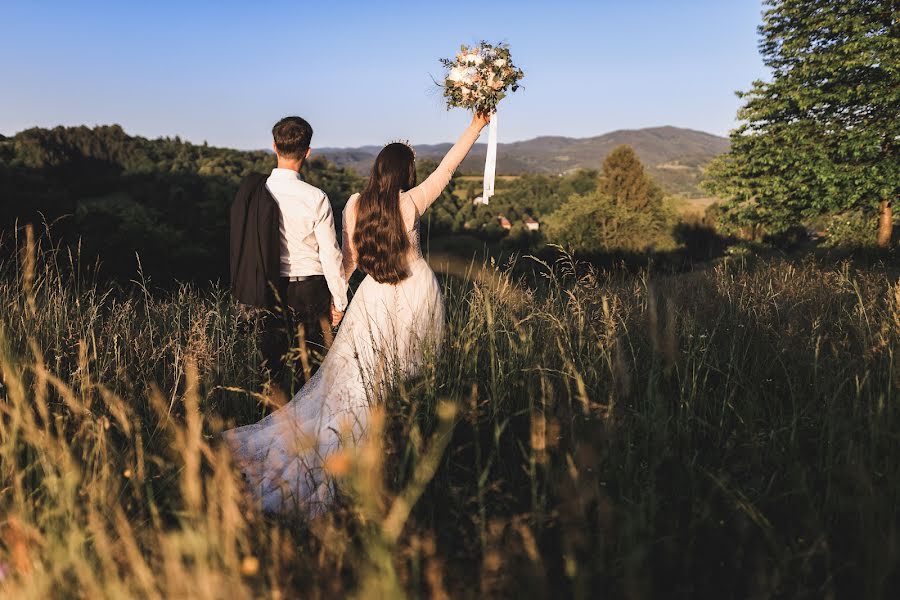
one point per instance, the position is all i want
(424, 194)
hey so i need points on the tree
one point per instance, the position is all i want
(821, 136)
(624, 212)
(596, 223)
(626, 183)
(112, 195)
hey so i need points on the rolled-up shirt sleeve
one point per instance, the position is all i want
(330, 254)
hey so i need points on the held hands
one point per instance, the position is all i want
(336, 316)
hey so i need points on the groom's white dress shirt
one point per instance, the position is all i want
(308, 242)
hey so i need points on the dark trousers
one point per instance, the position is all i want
(292, 336)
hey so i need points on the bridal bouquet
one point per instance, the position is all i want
(477, 79)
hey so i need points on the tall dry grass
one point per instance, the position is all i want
(730, 432)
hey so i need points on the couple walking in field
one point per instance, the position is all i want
(287, 264)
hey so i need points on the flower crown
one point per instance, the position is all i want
(407, 144)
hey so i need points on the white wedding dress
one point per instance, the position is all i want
(387, 332)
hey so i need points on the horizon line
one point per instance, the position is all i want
(326, 148)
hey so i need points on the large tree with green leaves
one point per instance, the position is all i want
(625, 211)
(823, 136)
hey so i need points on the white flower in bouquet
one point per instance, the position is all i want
(456, 74)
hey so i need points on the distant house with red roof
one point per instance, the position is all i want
(504, 222)
(531, 224)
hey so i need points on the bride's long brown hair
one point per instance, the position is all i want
(380, 237)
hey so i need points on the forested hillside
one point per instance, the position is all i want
(161, 206)
(165, 200)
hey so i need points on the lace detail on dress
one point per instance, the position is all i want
(415, 237)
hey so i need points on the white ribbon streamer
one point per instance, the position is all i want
(490, 162)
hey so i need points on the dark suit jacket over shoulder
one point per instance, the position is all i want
(255, 243)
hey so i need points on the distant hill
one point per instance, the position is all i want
(674, 157)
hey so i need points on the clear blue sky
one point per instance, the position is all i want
(360, 72)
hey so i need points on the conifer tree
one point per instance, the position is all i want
(625, 182)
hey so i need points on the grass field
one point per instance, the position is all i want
(692, 207)
(730, 432)
(464, 181)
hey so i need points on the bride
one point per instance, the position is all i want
(395, 320)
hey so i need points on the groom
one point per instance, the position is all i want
(285, 259)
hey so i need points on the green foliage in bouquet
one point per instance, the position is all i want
(479, 77)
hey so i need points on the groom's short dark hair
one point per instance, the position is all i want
(292, 137)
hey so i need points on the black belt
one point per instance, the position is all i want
(298, 278)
